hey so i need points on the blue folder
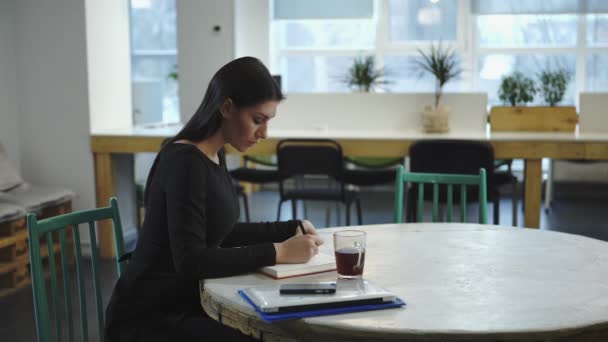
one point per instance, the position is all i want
(282, 316)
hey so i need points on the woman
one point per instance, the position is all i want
(190, 230)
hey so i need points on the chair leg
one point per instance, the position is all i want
(279, 210)
(347, 205)
(338, 215)
(294, 209)
(496, 207)
(246, 207)
(514, 201)
(359, 214)
(549, 187)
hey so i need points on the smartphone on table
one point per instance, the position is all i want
(308, 288)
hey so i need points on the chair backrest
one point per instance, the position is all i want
(300, 157)
(453, 157)
(436, 179)
(65, 228)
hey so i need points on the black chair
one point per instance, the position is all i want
(254, 176)
(454, 156)
(369, 174)
(318, 157)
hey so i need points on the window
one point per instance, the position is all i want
(422, 20)
(596, 71)
(314, 54)
(154, 61)
(492, 37)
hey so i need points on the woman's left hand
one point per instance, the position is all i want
(309, 228)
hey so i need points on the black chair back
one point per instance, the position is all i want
(310, 157)
(301, 157)
(450, 156)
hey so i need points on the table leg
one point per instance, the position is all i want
(104, 189)
(533, 184)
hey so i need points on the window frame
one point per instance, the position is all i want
(466, 45)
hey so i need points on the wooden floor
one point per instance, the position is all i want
(585, 213)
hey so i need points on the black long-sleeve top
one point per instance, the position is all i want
(189, 234)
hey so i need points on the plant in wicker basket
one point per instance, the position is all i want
(444, 65)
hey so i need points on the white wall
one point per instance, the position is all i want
(202, 51)
(9, 120)
(380, 111)
(252, 29)
(108, 64)
(53, 98)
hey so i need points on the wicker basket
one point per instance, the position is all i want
(436, 120)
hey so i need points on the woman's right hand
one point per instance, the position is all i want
(297, 249)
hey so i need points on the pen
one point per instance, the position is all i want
(301, 227)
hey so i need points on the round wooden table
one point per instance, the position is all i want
(460, 282)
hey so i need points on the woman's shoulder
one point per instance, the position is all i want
(180, 154)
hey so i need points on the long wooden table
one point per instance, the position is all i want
(531, 147)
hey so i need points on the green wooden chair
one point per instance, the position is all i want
(450, 180)
(60, 226)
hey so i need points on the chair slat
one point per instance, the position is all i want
(435, 202)
(96, 285)
(483, 193)
(41, 308)
(420, 202)
(399, 195)
(66, 284)
(450, 202)
(463, 203)
(54, 290)
(81, 289)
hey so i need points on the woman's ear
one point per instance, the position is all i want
(227, 108)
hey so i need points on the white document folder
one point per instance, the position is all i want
(349, 292)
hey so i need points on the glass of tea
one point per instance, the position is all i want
(349, 246)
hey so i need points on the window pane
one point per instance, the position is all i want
(597, 30)
(323, 34)
(405, 77)
(314, 73)
(597, 72)
(156, 69)
(493, 67)
(527, 30)
(416, 20)
(153, 25)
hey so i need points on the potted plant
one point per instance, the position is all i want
(553, 85)
(363, 76)
(517, 90)
(444, 65)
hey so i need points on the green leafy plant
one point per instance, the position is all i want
(364, 76)
(442, 63)
(553, 84)
(517, 89)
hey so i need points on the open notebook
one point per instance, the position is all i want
(320, 263)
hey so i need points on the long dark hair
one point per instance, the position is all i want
(246, 81)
